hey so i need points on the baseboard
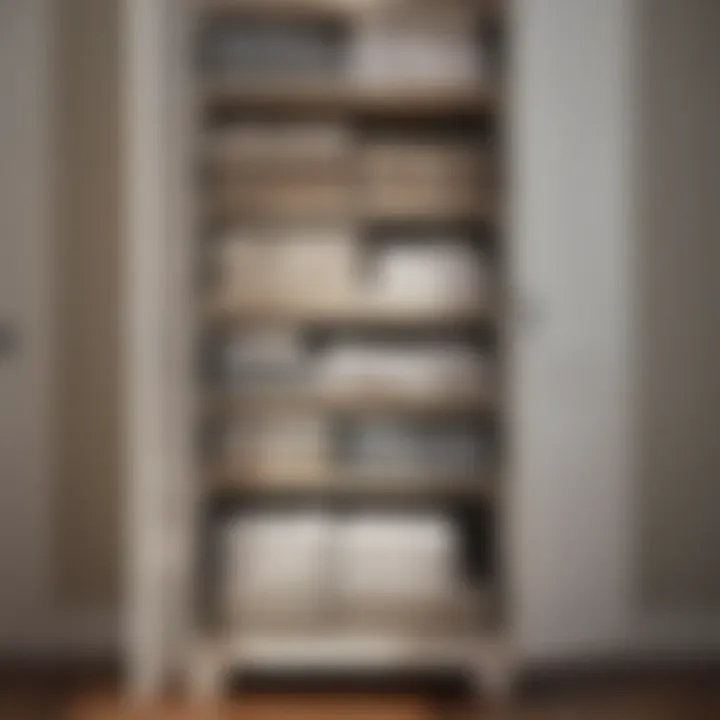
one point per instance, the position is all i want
(616, 670)
(19, 671)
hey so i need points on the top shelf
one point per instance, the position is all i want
(284, 9)
(487, 11)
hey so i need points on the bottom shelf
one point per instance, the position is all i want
(357, 651)
(372, 640)
(479, 652)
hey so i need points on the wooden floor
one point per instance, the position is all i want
(658, 706)
(667, 699)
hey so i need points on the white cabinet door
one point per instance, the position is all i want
(570, 262)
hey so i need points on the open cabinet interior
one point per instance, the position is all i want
(349, 281)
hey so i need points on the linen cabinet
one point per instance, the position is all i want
(337, 427)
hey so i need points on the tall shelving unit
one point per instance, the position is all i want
(371, 166)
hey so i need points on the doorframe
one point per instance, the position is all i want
(157, 102)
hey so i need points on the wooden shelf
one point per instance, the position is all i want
(244, 168)
(342, 98)
(319, 10)
(453, 620)
(486, 11)
(228, 484)
(349, 648)
(367, 402)
(348, 316)
(483, 215)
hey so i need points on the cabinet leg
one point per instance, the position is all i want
(207, 677)
(493, 679)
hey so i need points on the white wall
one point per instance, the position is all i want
(85, 310)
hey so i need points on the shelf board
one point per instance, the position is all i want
(486, 11)
(342, 98)
(483, 215)
(484, 651)
(367, 402)
(451, 619)
(223, 310)
(244, 167)
(282, 9)
(228, 484)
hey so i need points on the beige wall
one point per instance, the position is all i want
(87, 311)
(678, 303)
(58, 285)
(659, 556)
(25, 279)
